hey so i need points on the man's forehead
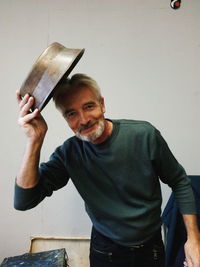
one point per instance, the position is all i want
(79, 94)
(78, 98)
(79, 90)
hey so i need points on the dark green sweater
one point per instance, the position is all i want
(118, 180)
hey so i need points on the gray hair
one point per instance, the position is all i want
(76, 81)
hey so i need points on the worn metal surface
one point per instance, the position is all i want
(55, 62)
(77, 248)
(51, 258)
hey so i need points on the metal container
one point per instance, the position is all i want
(54, 63)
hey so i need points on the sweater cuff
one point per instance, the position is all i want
(188, 208)
(23, 197)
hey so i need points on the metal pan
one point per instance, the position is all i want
(55, 62)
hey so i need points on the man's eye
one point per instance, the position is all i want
(90, 106)
(70, 114)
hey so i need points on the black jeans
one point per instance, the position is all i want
(105, 253)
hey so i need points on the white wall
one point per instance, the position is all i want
(145, 57)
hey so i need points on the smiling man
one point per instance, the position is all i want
(83, 109)
(116, 166)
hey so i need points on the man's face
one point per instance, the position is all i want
(84, 113)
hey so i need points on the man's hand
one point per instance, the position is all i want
(32, 123)
(192, 246)
(192, 253)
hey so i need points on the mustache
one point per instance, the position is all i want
(86, 126)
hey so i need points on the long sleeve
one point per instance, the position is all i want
(53, 175)
(173, 174)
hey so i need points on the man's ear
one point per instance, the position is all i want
(103, 104)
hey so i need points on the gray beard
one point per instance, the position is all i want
(95, 135)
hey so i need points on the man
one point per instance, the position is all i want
(115, 166)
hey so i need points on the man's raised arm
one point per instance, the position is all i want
(35, 128)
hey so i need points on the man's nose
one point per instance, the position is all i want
(83, 118)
